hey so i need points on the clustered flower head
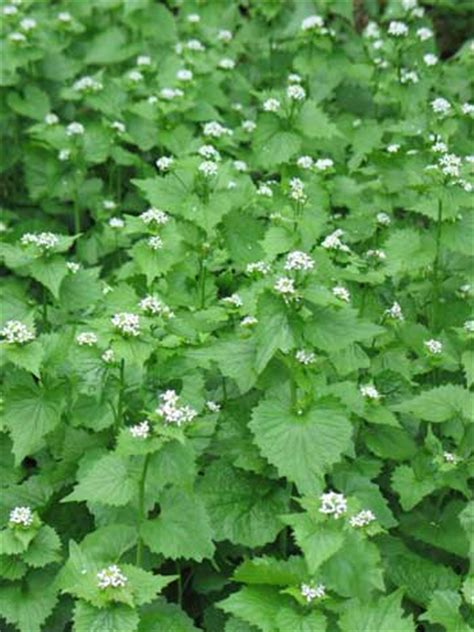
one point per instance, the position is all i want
(234, 299)
(297, 190)
(21, 516)
(369, 391)
(342, 293)
(209, 152)
(116, 222)
(271, 105)
(111, 577)
(469, 326)
(395, 312)
(86, 339)
(108, 356)
(224, 36)
(73, 267)
(16, 332)
(362, 519)
(168, 94)
(333, 241)
(208, 168)
(323, 164)
(213, 129)
(333, 504)
(249, 126)
(312, 23)
(226, 63)
(171, 412)
(141, 430)
(450, 457)
(44, 241)
(212, 406)
(298, 260)
(164, 163)
(155, 242)
(441, 106)
(154, 215)
(258, 266)
(397, 29)
(434, 346)
(248, 321)
(305, 357)
(311, 592)
(75, 129)
(295, 92)
(126, 323)
(286, 286)
(305, 162)
(87, 84)
(152, 305)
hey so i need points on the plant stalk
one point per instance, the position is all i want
(141, 510)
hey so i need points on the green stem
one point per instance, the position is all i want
(120, 406)
(77, 216)
(293, 393)
(202, 283)
(45, 308)
(224, 389)
(141, 510)
(180, 583)
(434, 306)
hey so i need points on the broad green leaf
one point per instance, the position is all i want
(383, 614)
(334, 330)
(298, 621)
(258, 605)
(115, 617)
(273, 331)
(44, 549)
(409, 487)
(444, 610)
(28, 605)
(271, 571)
(28, 356)
(50, 272)
(440, 404)
(165, 617)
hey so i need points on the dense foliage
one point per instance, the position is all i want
(237, 343)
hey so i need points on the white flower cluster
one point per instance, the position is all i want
(208, 168)
(118, 126)
(111, 577)
(171, 412)
(155, 242)
(164, 163)
(51, 118)
(168, 94)
(397, 29)
(323, 164)
(369, 391)
(362, 519)
(184, 75)
(408, 76)
(143, 60)
(44, 241)
(372, 30)
(108, 356)
(305, 357)
(224, 36)
(22, 516)
(264, 190)
(234, 299)
(141, 430)
(434, 346)
(271, 105)
(75, 129)
(154, 215)
(395, 312)
(209, 152)
(213, 129)
(126, 323)
(469, 326)
(258, 266)
(312, 23)
(195, 45)
(213, 407)
(430, 59)
(86, 339)
(467, 108)
(152, 305)
(226, 63)
(285, 286)
(297, 190)
(116, 222)
(450, 457)
(450, 165)
(333, 241)
(333, 504)
(295, 92)
(16, 332)
(305, 162)
(298, 260)
(341, 293)
(73, 267)
(310, 592)
(87, 84)
(240, 165)
(441, 106)
(249, 126)
(248, 321)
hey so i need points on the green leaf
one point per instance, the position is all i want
(107, 482)
(440, 404)
(245, 512)
(444, 610)
(385, 614)
(108, 47)
(410, 488)
(182, 529)
(314, 122)
(273, 331)
(270, 571)
(302, 447)
(28, 356)
(165, 617)
(49, 272)
(145, 585)
(31, 412)
(29, 604)
(258, 605)
(297, 621)
(44, 549)
(35, 103)
(332, 330)
(114, 618)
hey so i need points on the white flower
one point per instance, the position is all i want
(465, 290)
(193, 18)
(469, 326)
(51, 118)
(87, 84)
(408, 5)
(424, 33)
(305, 357)
(333, 241)
(467, 108)
(224, 36)
(258, 266)
(430, 59)
(143, 60)
(312, 22)
(16, 332)
(333, 504)
(450, 164)
(171, 412)
(440, 106)
(395, 312)
(170, 93)
(118, 126)
(64, 155)
(449, 457)
(164, 163)
(86, 339)
(408, 76)
(126, 323)
(295, 92)
(271, 105)
(213, 407)
(240, 165)
(64, 16)
(369, 391)
(294, 78)
(111, 577)
(28, 24)
(342, 293)
(209, 152)
(43, 241)
(298, 260)
(376, 254)
(248, 321)
(305, 162)
(285, 285)
(75, 129)
(208, 168)
(152, 305)
(195, 45)
(377, 45)
(310, 592)
(362, 519)
(155, 242)
(397, 29)
(22, 516)
(135, 75)
(439, 148)
(141, 430)
(226, 63)
(184, 75)
(116, 222)
(383, 219)
(9, 9)
(297, 190)
(231, 184)
(434, 346)
(17, 38)
(233, 299)
(372, 30)
(73, 267)
(322, 164)
(215, 130)
(108, 356)
(393, 149)
(264, 190)
(154, 215)
(248, 126)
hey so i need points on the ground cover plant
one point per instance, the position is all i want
(237, 339)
